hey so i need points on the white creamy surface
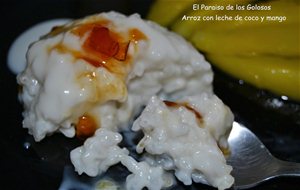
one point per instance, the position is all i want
(16, 58)
(59, 86)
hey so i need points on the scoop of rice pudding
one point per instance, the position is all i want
(91, 77)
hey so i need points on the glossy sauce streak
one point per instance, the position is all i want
(103, 47)
(85, 127)
(188, 107)
(80, 30)
(137, 35)
(100, 41)
(79, 55)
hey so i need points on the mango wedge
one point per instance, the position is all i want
(276, 74)
(280, 40)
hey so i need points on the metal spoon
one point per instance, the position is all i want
(252, 162)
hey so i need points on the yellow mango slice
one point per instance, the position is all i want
(277, 74)
(274, 39)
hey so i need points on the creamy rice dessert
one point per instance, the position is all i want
(91, 78)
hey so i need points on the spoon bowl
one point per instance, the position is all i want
(252, 162)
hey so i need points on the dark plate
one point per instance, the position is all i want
(25, 164)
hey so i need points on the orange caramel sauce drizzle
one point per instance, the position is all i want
(85, 127)
(137, 35)
(188, 107)
(103, 47)
(101, 42)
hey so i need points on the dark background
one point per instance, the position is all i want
(39, 166)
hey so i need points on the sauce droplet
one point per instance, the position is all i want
(137, 35)
(85, 127)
